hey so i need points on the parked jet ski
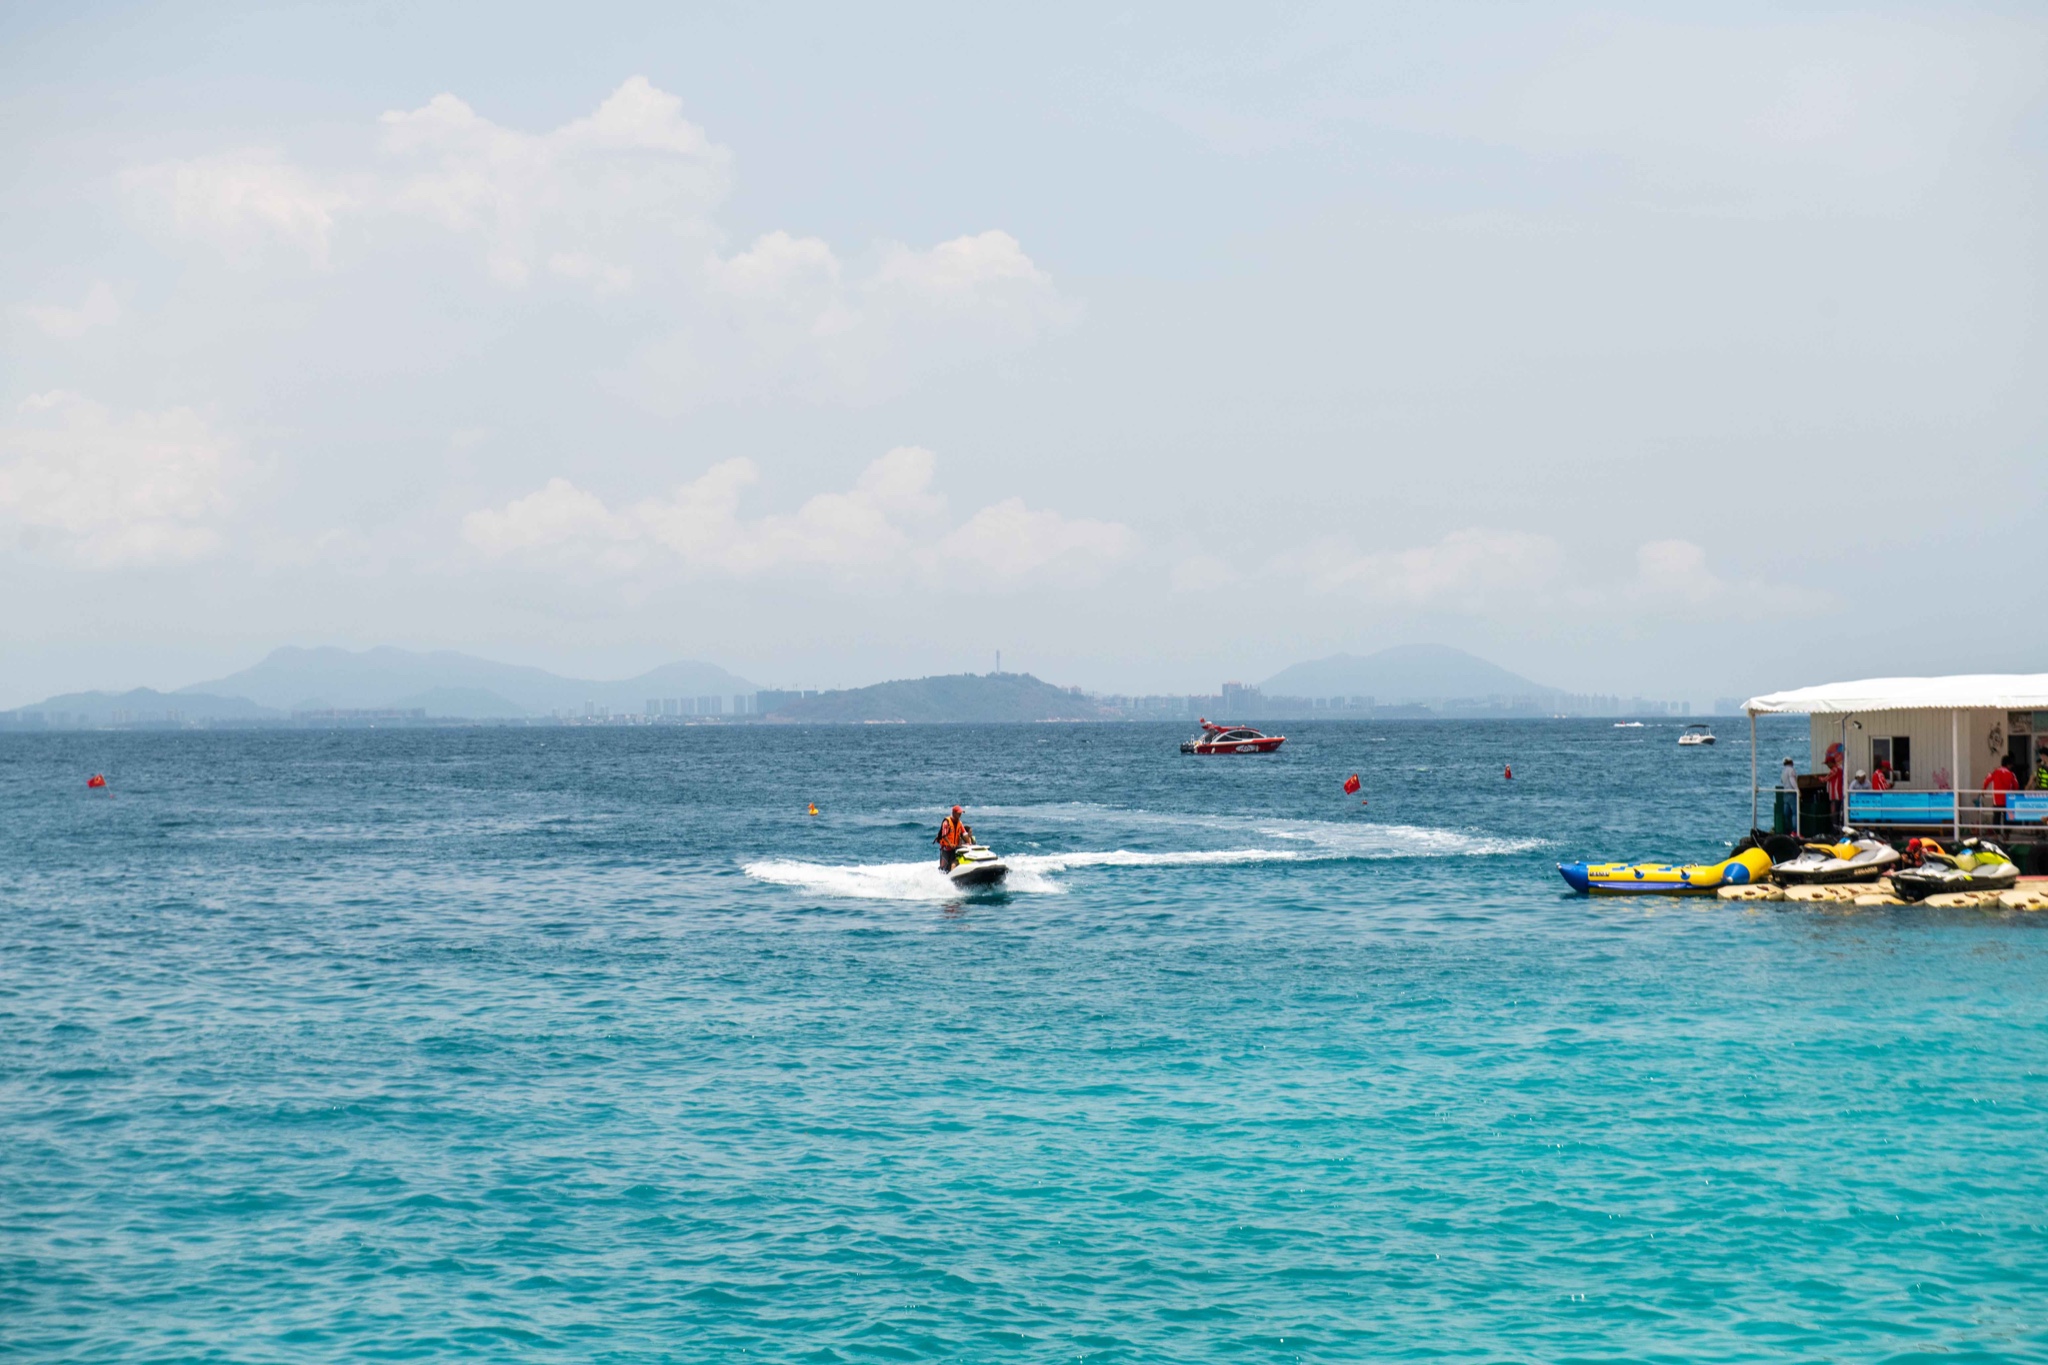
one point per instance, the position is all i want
(977, 865)
(1662, 879)
(1978, 865)
(1853, 858)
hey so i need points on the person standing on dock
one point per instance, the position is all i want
(2002, 780)
(1835, 785)
(1786, 819)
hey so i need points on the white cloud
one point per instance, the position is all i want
(625, 202)
(241, 200)
(558, 514)
(105, 491)
(793, 317)
(886, 526)
(100, 309)
(1470, 569)
(588, 197)
(1009, 541)
(965, 273)
(1675, 569)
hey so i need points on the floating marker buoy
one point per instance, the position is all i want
(814, 808)
(96, 780)
(1507, 772)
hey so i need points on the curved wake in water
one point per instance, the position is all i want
(1030, 873)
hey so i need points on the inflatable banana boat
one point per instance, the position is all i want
(1664, 879)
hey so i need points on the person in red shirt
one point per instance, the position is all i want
(1835, 783)
(2002, 780)
(1881, 777)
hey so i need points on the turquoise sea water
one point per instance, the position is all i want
(590, 1045)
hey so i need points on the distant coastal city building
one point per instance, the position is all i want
(1238, 701)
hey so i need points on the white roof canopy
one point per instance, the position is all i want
(1964, 692)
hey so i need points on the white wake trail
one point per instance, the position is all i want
(1029, 872)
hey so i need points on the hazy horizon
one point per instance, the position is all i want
(1476, 678)
(1631, 351)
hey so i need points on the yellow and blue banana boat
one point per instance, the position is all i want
(1665, 879)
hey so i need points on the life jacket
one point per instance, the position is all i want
(949, 832)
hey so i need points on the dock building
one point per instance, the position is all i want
(1941, 739)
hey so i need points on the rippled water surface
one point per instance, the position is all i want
(591, 1045)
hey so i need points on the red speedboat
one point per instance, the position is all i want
(1230, 739)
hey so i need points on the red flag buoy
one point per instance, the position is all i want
(96, 780)
(1351, 785)
(1507, 772)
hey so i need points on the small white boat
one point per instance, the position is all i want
(1697, 734)
(1628, 725)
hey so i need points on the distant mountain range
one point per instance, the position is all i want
(953, 698)
(445, 683)
(1404, 675)
(442, 683)
(148, 704)
(1406, 680)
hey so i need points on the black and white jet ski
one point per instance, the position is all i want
(1854, 857)
(977, 865)
(1979, 865)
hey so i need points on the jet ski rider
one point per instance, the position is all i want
(954, 835)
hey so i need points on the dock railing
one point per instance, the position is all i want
(1965, 813)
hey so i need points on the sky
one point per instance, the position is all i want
(1667, 351)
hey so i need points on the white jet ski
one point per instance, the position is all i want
(977, 865)
(1854, 858)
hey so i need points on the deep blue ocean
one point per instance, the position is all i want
(591, 1045)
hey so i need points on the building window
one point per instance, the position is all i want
(1896, 750)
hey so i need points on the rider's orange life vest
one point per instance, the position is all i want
(949, 833)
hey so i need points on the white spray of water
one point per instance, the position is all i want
(1031, 873)
(1028, 872)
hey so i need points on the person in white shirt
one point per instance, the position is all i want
(1787, 821)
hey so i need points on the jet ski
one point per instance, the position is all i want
(977, 865)
(1663, 879)
(1978, 865)
(1854, 858)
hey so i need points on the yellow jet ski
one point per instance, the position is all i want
(1664, 879)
